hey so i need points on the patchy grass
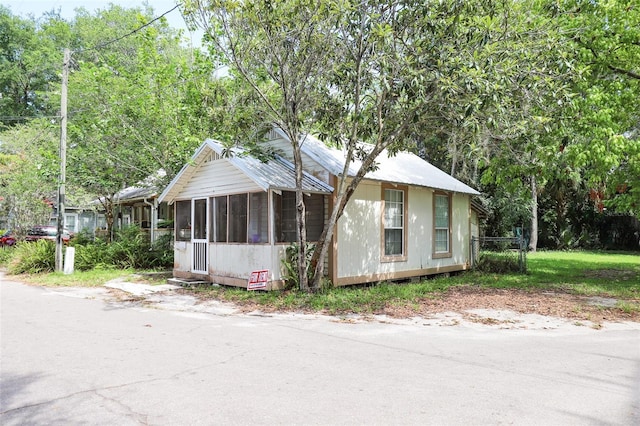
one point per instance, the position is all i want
(92, 278)
(555, 283)
(603, 274)
(578, 272)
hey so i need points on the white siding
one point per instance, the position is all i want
(217, 178)
(360, 234)
(239, 260)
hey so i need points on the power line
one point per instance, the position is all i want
(102, 45)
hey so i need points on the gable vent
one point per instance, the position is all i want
(273, 135)
(212, 157)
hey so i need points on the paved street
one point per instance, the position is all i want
(72, 358)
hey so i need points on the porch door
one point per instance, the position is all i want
(200, 236)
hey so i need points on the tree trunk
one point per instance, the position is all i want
(533, 239)
(301, 217)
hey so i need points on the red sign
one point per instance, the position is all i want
(258, 280)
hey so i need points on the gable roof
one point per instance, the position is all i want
(275, 174)
(402, 168)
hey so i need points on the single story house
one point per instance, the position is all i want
(235, 215)
(138, 205)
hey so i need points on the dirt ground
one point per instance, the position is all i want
(561, 305)
(463, 299)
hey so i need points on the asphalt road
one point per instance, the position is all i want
(71, 360)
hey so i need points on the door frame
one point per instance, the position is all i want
(200, 246)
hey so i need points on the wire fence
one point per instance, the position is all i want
(499, 254)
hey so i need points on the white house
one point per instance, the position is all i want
(235, 215)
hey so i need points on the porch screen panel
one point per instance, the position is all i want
(200, 219)
(220, 219)
(314, 204)
(285, 215)
(258, 218)
(238, 218)
(183, 220)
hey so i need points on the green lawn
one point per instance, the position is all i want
(580, 272)
(586, 273)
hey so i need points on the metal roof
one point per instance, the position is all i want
(402, 168)
(275, 174)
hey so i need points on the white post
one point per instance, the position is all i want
(69, 260)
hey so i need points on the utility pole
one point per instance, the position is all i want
(63, 157)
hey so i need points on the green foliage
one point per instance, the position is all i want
(33, 258)
(498, 263)
(30, 63)
(5, 254)
(585, 273)
(290, 265)
(92, 255)
(130, 250)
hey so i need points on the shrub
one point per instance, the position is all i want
(290, 266)
(499, 263)
(5, 254)
(162, 252)
(129, 250)
(33, 258)
(91, 255)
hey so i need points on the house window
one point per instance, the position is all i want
(284, 206)
(71, 222)
(101, 222)
(183, 220)
(238, 218)
(394, 223)
(442, 225)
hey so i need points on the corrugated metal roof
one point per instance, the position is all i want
(276, 174)
(403, 168)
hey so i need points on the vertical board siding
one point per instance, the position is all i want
(360, 227)
(359, 232)
(239, 260)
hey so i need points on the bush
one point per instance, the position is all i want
(290, 266)
(6, 253)
(129, 250)
(499, 263)
(33, 258)
(91, 255)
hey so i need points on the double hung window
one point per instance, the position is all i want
(394, 224)
(442, 225)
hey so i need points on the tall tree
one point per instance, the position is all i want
(375, 72)
(605, 141)
(29, 65)
(28, 174)
(135, 102)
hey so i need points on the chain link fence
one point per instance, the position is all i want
(499, 254)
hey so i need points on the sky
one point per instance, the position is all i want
(67, 7)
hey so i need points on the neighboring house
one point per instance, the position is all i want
(138, 205)
(235, 215)
(79, 219)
